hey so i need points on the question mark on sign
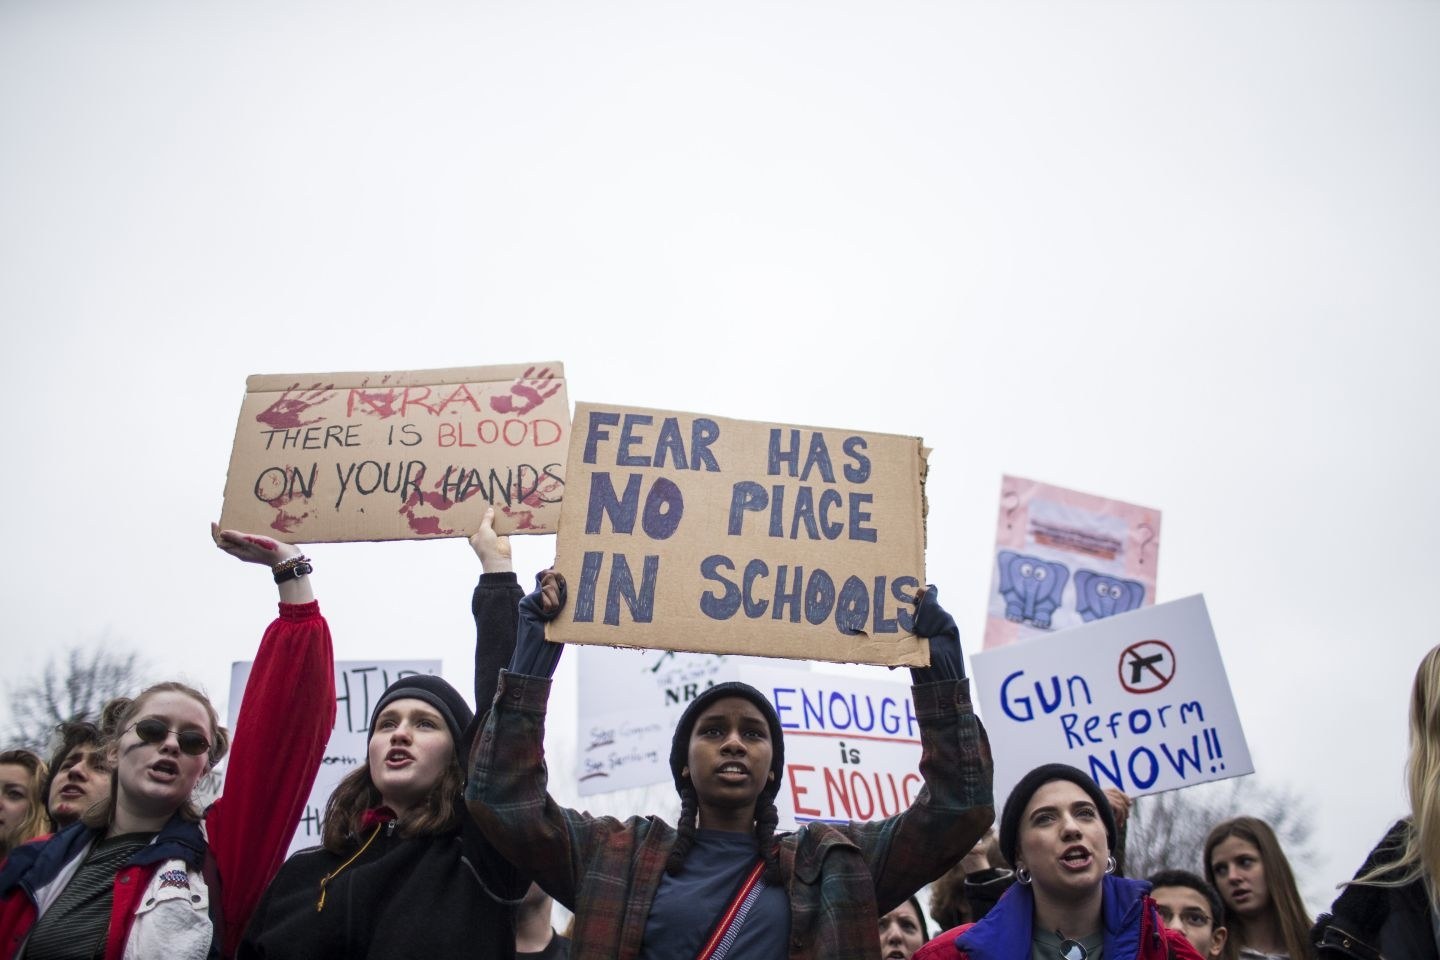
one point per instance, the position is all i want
(1009, 503)
(1146, 535)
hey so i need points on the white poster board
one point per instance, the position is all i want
(1139, 701)
(358, 684)
(629, 703)
(852, 747)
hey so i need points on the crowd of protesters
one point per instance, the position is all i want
(447, 843)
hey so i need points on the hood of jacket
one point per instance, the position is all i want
(1006, 931)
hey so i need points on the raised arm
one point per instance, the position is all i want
(507, 788)
(955, 806)
(284, 723)
(494, 606)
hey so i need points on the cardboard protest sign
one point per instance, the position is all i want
(852, 746)
(1139, 701)
(325, 457)
(688, 532)
(1064, 558)
(358, 684)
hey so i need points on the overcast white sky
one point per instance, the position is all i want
(1178, 253)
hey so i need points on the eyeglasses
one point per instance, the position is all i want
(154, 730)
(1190, 916)
(1072, 949)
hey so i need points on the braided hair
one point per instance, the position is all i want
(767, 817)
(685, 829)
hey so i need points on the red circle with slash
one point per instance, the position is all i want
(1147, 666)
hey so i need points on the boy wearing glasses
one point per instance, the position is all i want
(1188, 904)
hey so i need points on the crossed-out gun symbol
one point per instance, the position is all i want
(1139, 663)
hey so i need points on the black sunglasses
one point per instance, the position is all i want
(155, 730)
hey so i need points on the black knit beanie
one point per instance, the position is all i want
(436, 692)
(1020, 797)
(680, 745)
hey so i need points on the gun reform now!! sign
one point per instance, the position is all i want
(326, 457)
(1139, 701)
(690, 532)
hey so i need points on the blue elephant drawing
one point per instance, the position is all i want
(1098, 595)
(1031, 587)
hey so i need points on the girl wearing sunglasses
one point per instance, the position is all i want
(144, 873)
(1058, 830)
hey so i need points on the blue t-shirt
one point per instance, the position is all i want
(688, 907)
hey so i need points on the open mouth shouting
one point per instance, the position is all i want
(398, 758)
(1077, 858)
(732, 771)
(72, 793)
(165, 770)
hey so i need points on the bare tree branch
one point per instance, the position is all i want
(74, 683)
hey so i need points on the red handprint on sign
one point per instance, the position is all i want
(288, 485)
(285, 413)
(427, 525)
(527, 393)
(536, 498)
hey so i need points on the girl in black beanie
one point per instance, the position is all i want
(1058, 831)
(724, 881)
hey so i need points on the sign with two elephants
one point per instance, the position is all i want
(399, 455)
(688, 532)
(1063, 558)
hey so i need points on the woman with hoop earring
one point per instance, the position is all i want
(1066, 903)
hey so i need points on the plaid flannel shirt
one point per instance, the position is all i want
(841, 876)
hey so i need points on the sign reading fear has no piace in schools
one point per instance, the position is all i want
(399, 455)
(1139, 701)
(688, 532)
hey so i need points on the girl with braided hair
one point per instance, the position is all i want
(723, 882)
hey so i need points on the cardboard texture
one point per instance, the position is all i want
(326, 457)
(689, 532)
(1065, 558)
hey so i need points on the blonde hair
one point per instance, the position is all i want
(126, 712)
(1420, 858)
(36, 822)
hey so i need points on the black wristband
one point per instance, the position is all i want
(294, 572)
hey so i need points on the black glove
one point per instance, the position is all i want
(947, 662)
(534, 655)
